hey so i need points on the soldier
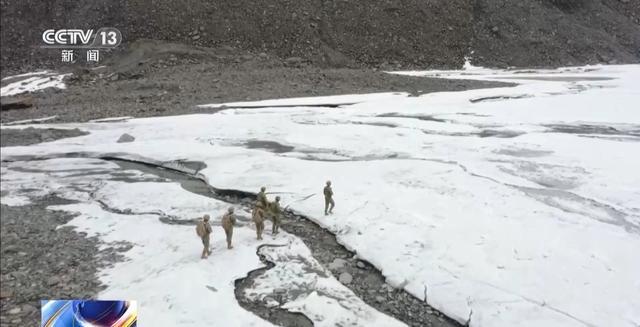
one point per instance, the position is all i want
(258, 218)
(275, 212)
(228, 220)
(203, 229)
(328, 199)
(262, 198)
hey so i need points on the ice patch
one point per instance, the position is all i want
(15, 200)
(44, 72)
(514, 212)
(41, 81)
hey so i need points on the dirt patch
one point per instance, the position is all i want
(154, 78)
(419, 117)
(30, 135)
(274, 147)
(500, 97)
(13, 103)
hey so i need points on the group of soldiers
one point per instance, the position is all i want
(263, 209)
(204, 230)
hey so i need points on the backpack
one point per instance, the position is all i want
(200, 229)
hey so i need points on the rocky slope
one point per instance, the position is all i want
(339, 33)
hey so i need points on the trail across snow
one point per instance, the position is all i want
(507, 206)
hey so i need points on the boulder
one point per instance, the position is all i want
(126, 138)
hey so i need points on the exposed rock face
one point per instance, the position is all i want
(332, 33)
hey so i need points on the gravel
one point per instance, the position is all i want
(30, 135)
(41, 261)
(155, 78)
(345, 278)
(333, 33)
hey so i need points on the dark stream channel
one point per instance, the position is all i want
(368, 283)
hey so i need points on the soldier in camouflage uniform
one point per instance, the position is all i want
(328, 199)
(228, 220)
(276, 215)
(262, 198)
(258, 216)
(203, 229)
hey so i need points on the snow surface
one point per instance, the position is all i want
(511, 206)
(163, 270)
(33, 82)
(42, 72)
(31, 121)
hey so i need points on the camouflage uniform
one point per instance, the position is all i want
(328, 199)
(262, 198)
(228, 220)
(206, 229)
(275, 212)
(258, 218)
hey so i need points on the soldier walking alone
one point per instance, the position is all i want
(328, 199)
(228, 220)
